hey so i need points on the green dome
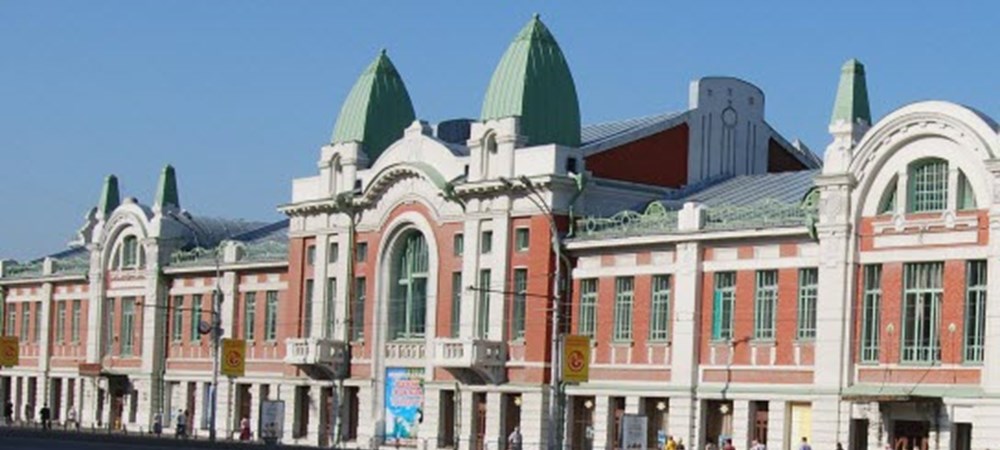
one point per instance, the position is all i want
(533, 81)
(377, 110)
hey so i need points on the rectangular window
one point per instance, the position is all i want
(922, 312)
(458, 244)
(25, 321)
(588, 308)
(659, 319)
(195, 317)
(520, 302)
(334, 254)
(361, 253)
(178, 331)
(975, 311)
(808, 281)
(871, 312)
(486, 242)
(11, 319)
(60, 335)
(249, 315)
(271, 316)
(37, 324)
(483, 305)
(624, 295)
(724, 300)
(75, 321)
(307, 306)
(765, 301)
(329, 308)
(522, 239)
(127, 332)
(456, 304)
(929, 185)
(311, 255)
(358, 309)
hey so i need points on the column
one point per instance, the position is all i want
(534, 423)
(776, 424)
(741, 423)
(467, 419)
(601, 419)
(430, 427)
(494, 420)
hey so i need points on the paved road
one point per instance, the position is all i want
(24, 443)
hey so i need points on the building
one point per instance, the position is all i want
(734, 286)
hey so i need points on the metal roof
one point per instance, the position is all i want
(599, 132)
(377, 110)
(533, 81)
(783, 187)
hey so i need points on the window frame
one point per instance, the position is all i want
(765, 305)
(520, 303)
(976, 298)
(587, 325)
(927, 183)
(808, 297)
(624, 305)
(916, 296)
(723, 305)
(249, 316)
(522, 239)
(871, 314)
(659, 308)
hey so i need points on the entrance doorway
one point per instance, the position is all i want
(718, 421)
(910, 435)
(582, 433)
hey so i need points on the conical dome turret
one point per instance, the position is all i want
(533, 81)
(377, 109)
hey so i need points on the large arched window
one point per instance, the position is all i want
(408, 292)
(928, 180)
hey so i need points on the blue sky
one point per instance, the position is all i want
(239, 95)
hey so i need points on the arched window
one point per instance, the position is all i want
(887, 204)
(408, 297)
(130, 252)
(489, 151)
(928, 181)
(966, 198)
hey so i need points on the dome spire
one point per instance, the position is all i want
(533, 81)
(377, 109)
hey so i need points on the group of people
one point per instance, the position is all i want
(757, 445)
(44, 415)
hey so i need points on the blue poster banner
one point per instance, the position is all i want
(404, 399)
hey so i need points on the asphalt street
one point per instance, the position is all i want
(24, 443)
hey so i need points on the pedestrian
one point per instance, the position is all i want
(805, 444)
(181, 424)
(45, 415)
(158, 423)
(245, 429)
(71, 418)
(514, 440)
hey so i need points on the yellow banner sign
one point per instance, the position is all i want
(9, 351)
(576, 359)
(234, 361)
